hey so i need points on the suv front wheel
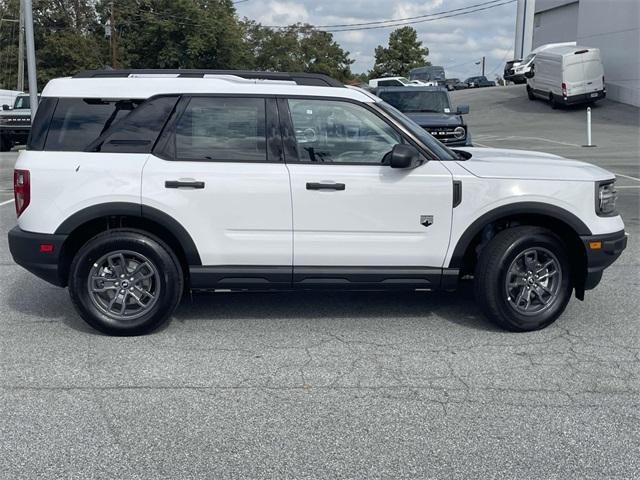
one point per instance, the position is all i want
(523, 279)
(125, 282)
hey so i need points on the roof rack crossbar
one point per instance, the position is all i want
(309, 79)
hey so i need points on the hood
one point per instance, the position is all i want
(523, 164)
(426, 119)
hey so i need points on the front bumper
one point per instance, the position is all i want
(602, 251)
(25, 248)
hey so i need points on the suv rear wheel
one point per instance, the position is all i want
(523, 278)
(530, 93)
(125, 282)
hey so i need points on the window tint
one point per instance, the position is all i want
(339, 132)
(40, 126)
(222, 129)
(137, 133)
(390, 83)
(410, 100)
(78, 122)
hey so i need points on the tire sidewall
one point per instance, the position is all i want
(524, 322)
(169, 274)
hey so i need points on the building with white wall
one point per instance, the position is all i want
(613, 26)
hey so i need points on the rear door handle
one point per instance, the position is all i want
(187, 184)
(325, 186)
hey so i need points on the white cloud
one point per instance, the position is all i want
(455, 42)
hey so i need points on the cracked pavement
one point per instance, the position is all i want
(325, 385)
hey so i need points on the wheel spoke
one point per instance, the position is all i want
(541, 295)
(124, 284)
(112, 303)
(144, 292)
(547, 275)
(535, 288)
(545, 266)
(139, 268)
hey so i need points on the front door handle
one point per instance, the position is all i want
(325, 186)
(185, 184)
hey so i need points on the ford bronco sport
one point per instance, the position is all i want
(137, 186)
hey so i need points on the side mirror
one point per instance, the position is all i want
(6, 107)
(404, 156)
(462, 109)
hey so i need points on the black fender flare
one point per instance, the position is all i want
(134, 210)
(520, 208)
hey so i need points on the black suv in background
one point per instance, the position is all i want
(15, 124)
(479, 81)
(430, 107)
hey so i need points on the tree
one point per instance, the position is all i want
(298, 47)
(404, 52)
(176, 33)
(67, 37)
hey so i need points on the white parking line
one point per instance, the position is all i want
(626, 176)
(7, 202)
(478, 144)
(619, 187)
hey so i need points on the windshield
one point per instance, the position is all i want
(438, 149)
(530, 57)
(22, 102)
(417, 101)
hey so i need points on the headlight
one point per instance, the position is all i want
(459, 132)
(606, 197)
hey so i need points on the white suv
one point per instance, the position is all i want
(137, 186)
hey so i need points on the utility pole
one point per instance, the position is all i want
(31, 55)
(21, 51)
(114, 44)
(483, 66)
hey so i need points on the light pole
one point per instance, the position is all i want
(27, 10)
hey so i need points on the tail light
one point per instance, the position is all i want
(564, 89)
(21, 190)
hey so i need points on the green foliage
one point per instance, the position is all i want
(176, 33)
(404, 52)
(70, 36)
(296, 48)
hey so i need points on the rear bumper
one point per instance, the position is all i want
(26, 252)
(584, 98)
(515, 78)
(611, 247)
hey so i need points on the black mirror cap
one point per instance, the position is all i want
(6, 107)
(404, 156)
(463, 109)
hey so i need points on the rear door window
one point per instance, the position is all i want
(78, 122)
(222, 129)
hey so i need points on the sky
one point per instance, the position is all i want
(456, 43)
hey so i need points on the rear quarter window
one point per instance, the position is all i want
(78, 122)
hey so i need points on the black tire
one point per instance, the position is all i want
(530, 94)
(552, 101)
(165, 282)
(493, 266)
(5, 143)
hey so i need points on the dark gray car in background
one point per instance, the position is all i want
(430, 107)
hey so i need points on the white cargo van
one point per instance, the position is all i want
(567, 75)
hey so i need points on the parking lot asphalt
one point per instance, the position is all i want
(337, 385)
